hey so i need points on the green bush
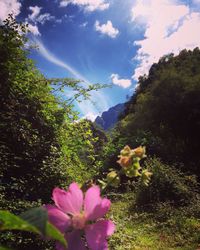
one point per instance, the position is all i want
(168, 184)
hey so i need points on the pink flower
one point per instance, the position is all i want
(78, 217)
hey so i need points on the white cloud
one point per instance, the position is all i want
(8, 7)
(50, 57)
(90, 116)
(35, 12)
(36, 17)
(88, 5)
(34, 30)
(168, 27)
(83, 25)
(124, 83)
(196, 1)
(106, 29)
(58, 20)
(43, 18)
(97, 97)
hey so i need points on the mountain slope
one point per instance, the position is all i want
(109, 118)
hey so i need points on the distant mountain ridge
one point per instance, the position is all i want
(109, 118)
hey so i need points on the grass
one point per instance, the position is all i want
(164, 228)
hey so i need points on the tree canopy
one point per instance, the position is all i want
(164, 112)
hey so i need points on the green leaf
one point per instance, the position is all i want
(53, 233)
(34, 220)
(10, 221)
(37, 217)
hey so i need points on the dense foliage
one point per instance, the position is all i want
(168, 184)
(41, 145)
(164, 115)
(164, 112)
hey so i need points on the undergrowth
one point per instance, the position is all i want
(164, 227)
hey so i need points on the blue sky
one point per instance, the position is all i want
(105, 41)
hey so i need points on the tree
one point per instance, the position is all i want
(164, 112)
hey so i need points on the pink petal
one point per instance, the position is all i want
(60, 247)
(59, 219)
(95, 207)
(74, 241)
(96, 234)
(69, 202)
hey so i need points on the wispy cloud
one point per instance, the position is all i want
(83, 25)
(98, 97)
(34, 29)
(52, 58)
(88, 5)
(43, 18)
(35, 12)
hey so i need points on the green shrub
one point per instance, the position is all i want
(168, 184)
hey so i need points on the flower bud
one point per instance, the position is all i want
(146, 176)
(131, 172)
(113, 179)
(136, 164)
(125, 161)
(139, 152)
(126, 151)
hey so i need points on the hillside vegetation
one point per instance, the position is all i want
(43, 145)
(164, 115)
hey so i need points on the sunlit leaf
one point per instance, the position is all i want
(9, 221)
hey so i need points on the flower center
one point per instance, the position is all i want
(78, 221)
